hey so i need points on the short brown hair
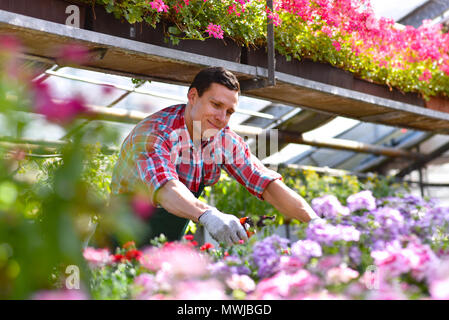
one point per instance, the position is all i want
(220, 75)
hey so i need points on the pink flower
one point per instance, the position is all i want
(74, 53)
(274, 17)
(336, 45)
(9, 43)
(179, 260)
(142, 206)
(290, 264)
(97, 257)
(341, 274)
(241, 282)
(284, 285)
(439, 279)
(425, 76)
(210, 289)
(159, 6)
(215, 31)
(58, 112)
(144, 286)
(233, 9)
(60, 295)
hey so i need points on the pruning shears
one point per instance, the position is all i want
(249, 225)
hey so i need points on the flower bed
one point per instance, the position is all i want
(388, 248)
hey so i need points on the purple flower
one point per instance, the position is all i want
(391, 222)
(355, 254)
(305, 249)
(226, 268)
(329, 207)
(266, 255)
(361, 200)
(327, 234)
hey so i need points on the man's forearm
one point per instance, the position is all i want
(176, 198)
(288, 202)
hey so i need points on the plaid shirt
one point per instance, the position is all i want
(160, 149)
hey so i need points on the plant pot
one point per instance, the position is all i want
(328, 74)
(49, 10)
(105, 22)
(438, 103)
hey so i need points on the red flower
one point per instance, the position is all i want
(133, 254)
(119, 258)
(188, 237)
(206, 246)
(192, 243)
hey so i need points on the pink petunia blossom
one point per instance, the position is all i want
(144, 287)
(241, 282)
(341, 274)
(215, 31)
(179, 260)
(425, 76)
(159, 6)
(97, 257)
(336, 45)
(60, 295)
(210, 289)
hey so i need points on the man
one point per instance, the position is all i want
(175, 152)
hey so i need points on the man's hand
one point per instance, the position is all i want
(223, 227)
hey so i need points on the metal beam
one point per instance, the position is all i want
(332, 143)
(429, 10)
(422, 162)
(151, 62)
(133, 117)
(340, 173)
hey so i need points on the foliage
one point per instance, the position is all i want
(343, 33)
(307, 183)
(49, 201)
(383, 248)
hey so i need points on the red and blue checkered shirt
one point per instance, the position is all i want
(160, 149)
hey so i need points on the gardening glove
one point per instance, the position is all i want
(315, 220)
(223, 227)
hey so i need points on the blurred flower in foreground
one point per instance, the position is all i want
(58, 112)
(142, 206)
(74, 53)
(97, 257)
(179, 260)
(60, 295)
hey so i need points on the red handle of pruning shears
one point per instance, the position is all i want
(249, 226)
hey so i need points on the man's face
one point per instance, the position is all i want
(213, 109)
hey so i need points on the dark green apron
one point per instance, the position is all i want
(172, 226)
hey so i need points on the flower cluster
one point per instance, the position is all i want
(345, 33)
(384, 249)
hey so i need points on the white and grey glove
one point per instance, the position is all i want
(223, 227)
